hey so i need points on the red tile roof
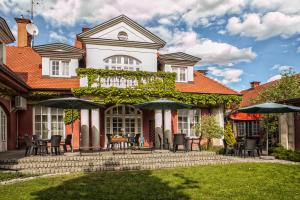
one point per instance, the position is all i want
(27, 64)
(252, 93)
(204, 84)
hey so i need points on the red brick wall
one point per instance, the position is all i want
(76, 131)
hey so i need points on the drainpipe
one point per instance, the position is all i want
(17, 143)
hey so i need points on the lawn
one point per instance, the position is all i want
(9, 176)
(236, 181)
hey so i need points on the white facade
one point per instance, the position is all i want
(95, 55)
(112, 33)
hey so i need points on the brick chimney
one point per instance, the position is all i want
(254, 84)
(85, 29)
(24, 38)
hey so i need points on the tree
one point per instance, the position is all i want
(288, 87)
(228, 134)
(210, 128)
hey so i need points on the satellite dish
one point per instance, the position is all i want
(32, 29)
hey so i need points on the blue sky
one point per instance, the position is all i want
(239, 41)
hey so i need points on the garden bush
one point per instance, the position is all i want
(281, 153)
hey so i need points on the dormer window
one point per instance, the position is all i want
(59, 68)
(122, 62)
(181, 73)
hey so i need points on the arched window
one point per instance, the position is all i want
(123, 119)
(122, 62)
(3, 130)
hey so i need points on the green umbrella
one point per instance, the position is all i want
(70, 103)
(163, 104)
(268, 108)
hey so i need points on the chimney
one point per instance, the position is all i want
(85, 29)
(24, 39)
(254, 84)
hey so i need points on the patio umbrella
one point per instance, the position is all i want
(163, 104)
(70, 103)
(268, 108)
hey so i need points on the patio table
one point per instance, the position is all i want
(120, 140)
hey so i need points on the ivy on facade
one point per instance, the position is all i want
(68, 116)
(157, 85)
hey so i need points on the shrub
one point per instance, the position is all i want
(228, 134)
(281, 153)
(210, 128)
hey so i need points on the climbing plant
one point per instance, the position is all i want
(228, 134)
(68, 116)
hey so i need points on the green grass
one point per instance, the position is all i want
(9, 176)
(236, 181)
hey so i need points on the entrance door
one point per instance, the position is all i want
(3, 130)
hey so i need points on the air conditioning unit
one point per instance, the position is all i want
(20, 103)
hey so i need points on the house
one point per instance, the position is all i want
(117, 63)
(249, 125)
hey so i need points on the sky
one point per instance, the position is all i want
(239, 41)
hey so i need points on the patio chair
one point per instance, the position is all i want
(158, 138)
(179, 139)
(68, 142)
(55, 144)
(250, 147)
(228, 148)
(30, 146)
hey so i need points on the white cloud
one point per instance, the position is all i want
(210, 51)
(298, 50)
(273, 78)
(222, 32)
(287, 7)
(229, 75)
(282, 68)
(70, 12)
(204, 11)
(57, 37)
(264, 26)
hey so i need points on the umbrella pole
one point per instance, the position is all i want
(72, 131)
(163, 128)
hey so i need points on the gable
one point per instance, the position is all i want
(112, 33)
(108, 31)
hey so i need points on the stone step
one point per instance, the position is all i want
(40, 159)
(122, 168)
(110, 162)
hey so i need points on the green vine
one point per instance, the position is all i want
(68, 116)
(157, 85)
(41, 94)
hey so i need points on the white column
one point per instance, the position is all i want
(168, 120)
(158, 118)
(219, 114)
(84, 130)
(95, 128)
(291, 130)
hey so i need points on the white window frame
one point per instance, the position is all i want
(190, 114)
(61, 68)
(3, 125)
(49, 122)
(137, 116)
(178, 71)
(243, 128)
(122, 62)
(3, 130)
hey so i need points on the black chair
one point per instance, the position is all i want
(55, 144)
(250, 147)
(30, 146)
(228, 148)
(137, 140)
(179, 139)
(68, 142)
